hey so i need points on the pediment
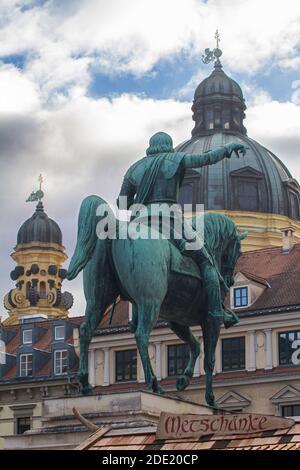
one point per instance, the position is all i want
(286, 395)
(247, 172)
(240, 277)
(233, 400)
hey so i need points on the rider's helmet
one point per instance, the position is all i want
(160, 143)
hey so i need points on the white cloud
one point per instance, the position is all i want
(63, 39)
(18, 94)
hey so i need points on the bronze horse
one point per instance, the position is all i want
(141, 271)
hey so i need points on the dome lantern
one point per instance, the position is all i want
(218, 101)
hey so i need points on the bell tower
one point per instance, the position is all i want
(39, 273)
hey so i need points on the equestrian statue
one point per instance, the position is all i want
(181, 279)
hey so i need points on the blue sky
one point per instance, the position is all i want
(84, 84)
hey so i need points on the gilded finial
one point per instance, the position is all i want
(37, 195)
(215, 54)
(41, 180)
(217, 38)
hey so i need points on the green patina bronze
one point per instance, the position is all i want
(155, 274)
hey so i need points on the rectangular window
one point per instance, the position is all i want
(23, 424)
(59, 332)
(126, 365)
(178, 356)
(247, 195)
(285, 342)
(240, 297)
(27, 337)
(233, 353)
(26, 365)
(290, 410)
(60, 362)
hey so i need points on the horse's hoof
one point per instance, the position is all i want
(182, 382)
(86, 389)
(159, 390)
(210, 400)
(230, 319)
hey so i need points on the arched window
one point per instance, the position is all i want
(294, 205)
(209, 119)
(217, 118)
(225, 118)
(28, 285)
(42, 290)
(237, 117)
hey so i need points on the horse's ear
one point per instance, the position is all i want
(243, 235)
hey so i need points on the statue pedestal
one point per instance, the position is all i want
(125, 413)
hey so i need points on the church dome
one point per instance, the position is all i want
(258, 182)
(39, 228)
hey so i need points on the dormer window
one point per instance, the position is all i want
(59, 333)
(240, 297)
(26, 365)
(27, 337)
(61, 361)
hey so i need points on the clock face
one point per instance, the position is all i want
(67, 300)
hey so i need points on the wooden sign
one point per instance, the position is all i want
(176, 426)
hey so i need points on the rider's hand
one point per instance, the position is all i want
(236, 148)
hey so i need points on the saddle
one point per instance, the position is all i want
(183, 264)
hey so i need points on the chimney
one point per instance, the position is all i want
(287, 239)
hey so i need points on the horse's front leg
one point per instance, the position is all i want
(185, 334)
(148, 312)
(211, 332)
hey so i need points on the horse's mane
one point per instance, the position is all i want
(218, 229)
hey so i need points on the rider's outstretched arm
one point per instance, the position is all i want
(197, 160)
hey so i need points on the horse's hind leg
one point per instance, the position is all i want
(185, 334)
(147, 312)
(93, 316)
(100, 292)
(211, 331)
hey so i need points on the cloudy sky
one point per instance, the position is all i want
(84, 84)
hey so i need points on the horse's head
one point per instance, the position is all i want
(230, 257)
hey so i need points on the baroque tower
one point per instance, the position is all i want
(39, 255)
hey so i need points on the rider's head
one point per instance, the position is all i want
(160, 143)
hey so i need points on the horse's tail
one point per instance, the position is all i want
(86, 235)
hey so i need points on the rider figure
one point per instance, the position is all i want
(156, 179)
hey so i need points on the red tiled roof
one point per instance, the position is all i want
(283, 439)
(44, 342)
(45, 369)
(270, 262)
(120, 315)
(11, 373)
(13, 345)
(278, 271)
